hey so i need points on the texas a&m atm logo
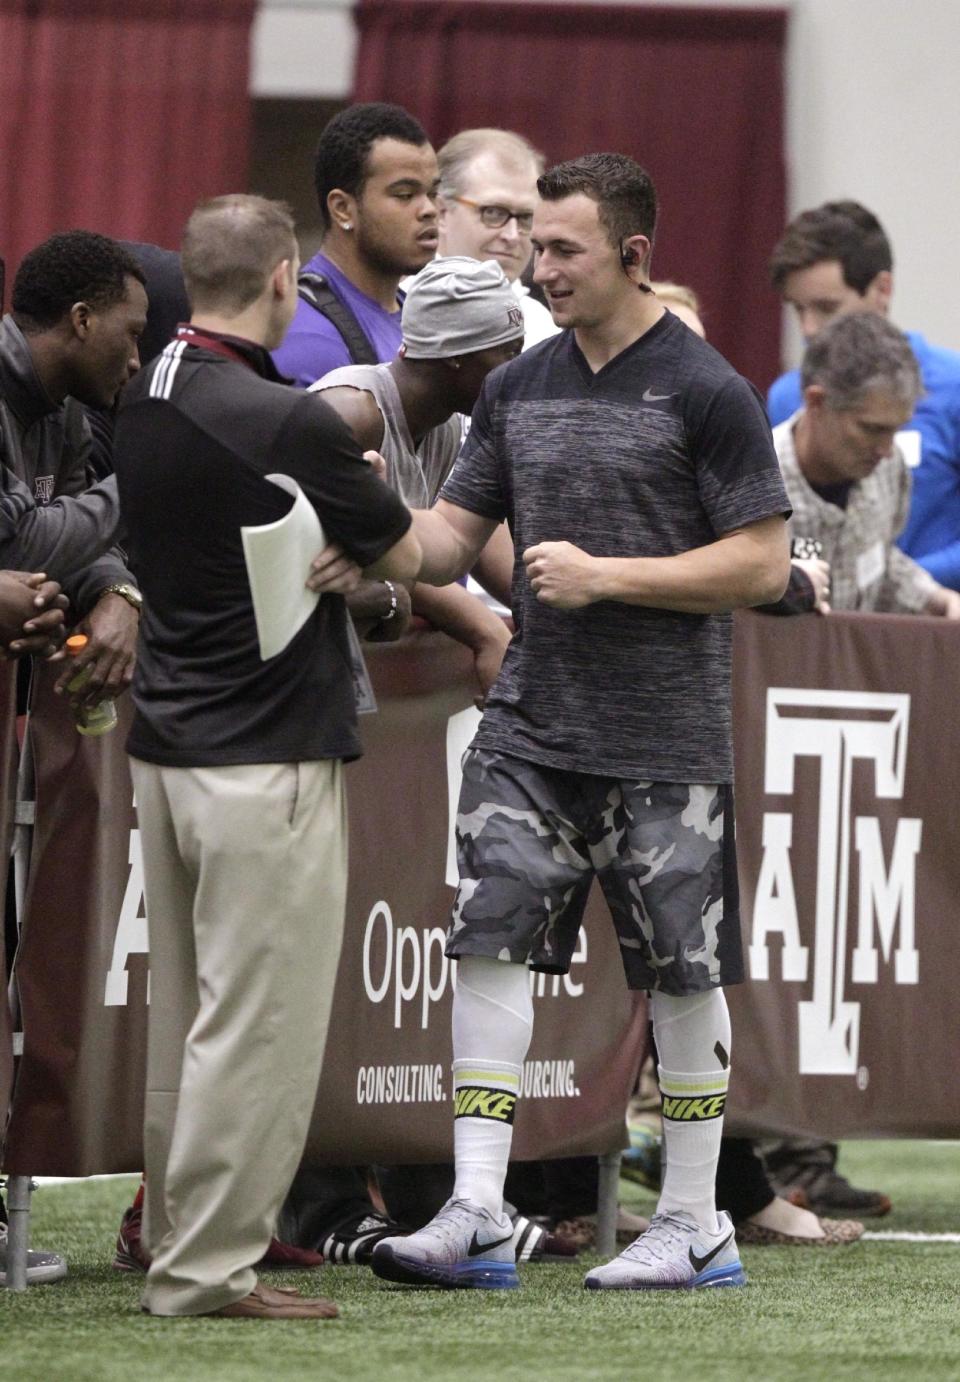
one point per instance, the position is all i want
(837, 728)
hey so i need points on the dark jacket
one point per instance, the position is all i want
(49, 519)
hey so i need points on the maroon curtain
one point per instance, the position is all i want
(8, 797)
(694, 94)
(118, 115)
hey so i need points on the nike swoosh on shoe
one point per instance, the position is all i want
(698, 1263)
(476, 1247)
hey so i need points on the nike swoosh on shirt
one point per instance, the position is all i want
(650, 397)
(698, 1263)
(477, 1247)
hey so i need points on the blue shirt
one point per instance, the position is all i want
(313, 346)
(932, 534)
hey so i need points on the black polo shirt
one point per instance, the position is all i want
(196, 434)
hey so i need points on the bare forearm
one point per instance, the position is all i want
(446, 555)
(698, 582)
(750, 566)
(455, 611)
(400, 563)
(494, 569)
(467, 619)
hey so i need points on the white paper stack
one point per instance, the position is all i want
(278, 557)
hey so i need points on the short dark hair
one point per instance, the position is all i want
(844, 231)
(168, 303)
(624, 193)
(346, 142)
(74, 266)
(230, 245)
(857, 353)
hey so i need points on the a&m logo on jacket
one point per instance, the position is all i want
(837, 728)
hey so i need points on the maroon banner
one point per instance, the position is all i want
(844, 740)
(8, 785)
(846, 745)
(385, 1089)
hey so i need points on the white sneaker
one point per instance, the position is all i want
(463, 1245)
(674, 1254)
(42, 1267)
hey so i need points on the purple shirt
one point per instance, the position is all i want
(313, 346)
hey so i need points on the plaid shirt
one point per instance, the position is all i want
(867, 571)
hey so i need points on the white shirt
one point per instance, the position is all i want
(538, 324)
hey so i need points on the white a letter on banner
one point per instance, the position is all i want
(775, 905)
(131, 935)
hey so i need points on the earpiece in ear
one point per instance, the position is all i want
(629, 256)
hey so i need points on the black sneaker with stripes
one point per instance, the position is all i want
(532, 1242)
(351, 1243)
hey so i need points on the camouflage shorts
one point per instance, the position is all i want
(531, 839)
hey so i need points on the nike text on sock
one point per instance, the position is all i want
(693, 1105)
(484, 1101)
(485, 1095)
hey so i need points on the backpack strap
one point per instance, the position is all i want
(315, 290)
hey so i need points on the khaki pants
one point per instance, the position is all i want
(245, 884)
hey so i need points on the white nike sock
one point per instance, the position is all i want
(492, 1025)
(693, 1044)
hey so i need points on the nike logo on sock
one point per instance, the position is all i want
(476, 1247)
(698, 1263)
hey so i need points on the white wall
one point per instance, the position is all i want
(873, 112)
(303, 48)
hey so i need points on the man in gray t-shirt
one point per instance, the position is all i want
(637, 475)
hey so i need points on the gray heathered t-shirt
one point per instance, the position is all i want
(661, 451)
(416, 473)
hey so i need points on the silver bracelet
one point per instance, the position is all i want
(393, 601)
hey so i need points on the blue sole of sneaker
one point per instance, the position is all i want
(483, 1276)
(731, 1275)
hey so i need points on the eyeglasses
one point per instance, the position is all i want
(495, 217)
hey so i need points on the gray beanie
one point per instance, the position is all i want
(457, 305)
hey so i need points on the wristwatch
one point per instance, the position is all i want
(126, 591)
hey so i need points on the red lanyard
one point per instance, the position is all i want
(195, 336)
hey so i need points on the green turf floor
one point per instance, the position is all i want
(876, 1310)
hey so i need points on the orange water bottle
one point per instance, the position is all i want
(90, 719)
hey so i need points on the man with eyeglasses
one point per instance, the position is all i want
(488, 194)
